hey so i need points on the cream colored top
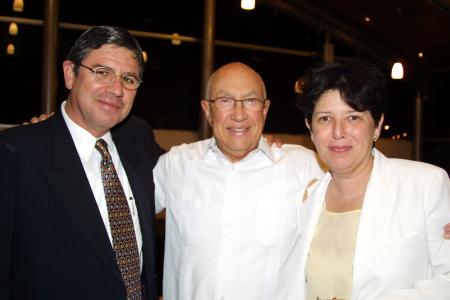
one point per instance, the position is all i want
(329, 266)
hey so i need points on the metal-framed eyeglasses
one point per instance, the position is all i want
(106, 75)
(228, 103)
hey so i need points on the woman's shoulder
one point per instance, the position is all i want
(405, 168)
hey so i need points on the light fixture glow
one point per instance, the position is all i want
(386, 127)
(420, 54)
(13, 29)
(144, 56)
(248, 4)
(404, 134)
(18, 5)
(176, 41)
(10, 49)
(397, 71)
(367, 19)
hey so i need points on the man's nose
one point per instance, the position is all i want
(239, 112)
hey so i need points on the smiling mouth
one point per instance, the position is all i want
(340, 149)
(109, 104)
(237, 131)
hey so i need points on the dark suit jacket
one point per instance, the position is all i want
(53, 243)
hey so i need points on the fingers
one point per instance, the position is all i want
(41, 118)
(269, 139)
(35, 119)
(278, 142)
(447, 231)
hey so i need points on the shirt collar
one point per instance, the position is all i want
(84, 141)
(262, 147)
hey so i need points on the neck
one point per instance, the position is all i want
(77, 119)
(235, 156)
(346, 191)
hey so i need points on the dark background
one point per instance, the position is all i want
(169, 97)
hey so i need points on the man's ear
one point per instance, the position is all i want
(266, 108)
(206, 106)
(69, 74)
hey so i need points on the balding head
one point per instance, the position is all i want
(234, 67)
(237, 129)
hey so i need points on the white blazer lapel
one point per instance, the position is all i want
(378, 203)
(310, 214)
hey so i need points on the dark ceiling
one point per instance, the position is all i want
(398, 29)
(169, 97)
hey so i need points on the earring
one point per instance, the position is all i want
(375, 138)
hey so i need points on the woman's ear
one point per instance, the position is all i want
(378, 128)
(309, 128)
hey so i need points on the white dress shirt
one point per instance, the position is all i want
(91, 158)
(231, 227)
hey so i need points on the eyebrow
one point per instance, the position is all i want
(223, 93)
(108, 67)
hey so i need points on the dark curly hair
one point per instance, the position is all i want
(361, 84)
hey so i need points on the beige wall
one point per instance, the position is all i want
(391, 148)
(168, 138)
(5, 126)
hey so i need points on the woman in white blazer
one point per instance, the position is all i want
(372, 225)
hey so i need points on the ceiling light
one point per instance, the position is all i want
(18, 5)
(144, 56)
(367, 19)
(386, 127)
(176, 39)
(10, 49)
(420, 54)
(13, 29)
(397, 71)
(248, 4)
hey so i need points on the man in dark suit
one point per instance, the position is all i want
(57, 234)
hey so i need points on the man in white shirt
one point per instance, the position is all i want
(232, 201)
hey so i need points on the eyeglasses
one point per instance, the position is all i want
(228, 103)
(105, 75)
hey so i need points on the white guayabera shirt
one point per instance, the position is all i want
(231, 228)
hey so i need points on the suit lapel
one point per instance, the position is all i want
(132, 164)
(134, 167)
(68, 180)
(140, 196)
(378, 203)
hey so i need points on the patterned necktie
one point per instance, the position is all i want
(121, 223)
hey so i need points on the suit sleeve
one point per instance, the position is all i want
(155, 149)
(8, 177)
(437, 209)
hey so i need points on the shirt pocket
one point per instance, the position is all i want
(276, 224)
(195, 221)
